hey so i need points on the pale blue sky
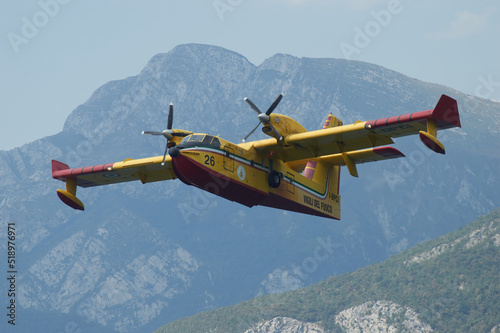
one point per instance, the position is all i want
(55, 53)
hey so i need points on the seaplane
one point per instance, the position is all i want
(294, 170)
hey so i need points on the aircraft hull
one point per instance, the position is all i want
(232, 178)
(190, 168)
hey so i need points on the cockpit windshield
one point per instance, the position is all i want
(202, 139)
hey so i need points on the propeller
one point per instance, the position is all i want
(264, 117)
(169, 133)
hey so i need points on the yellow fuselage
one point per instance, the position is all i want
(240, 173)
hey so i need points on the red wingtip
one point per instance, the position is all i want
(446, 111)
(58, 166)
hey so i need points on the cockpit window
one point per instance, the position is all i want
(211, 141)
(215, 142)
(196, 137)
(206, 140)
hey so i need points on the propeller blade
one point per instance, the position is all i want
(274, 105)
(246, 137)
(151, 133)
(170, 116)
(165, 155)
(169, 133)
(253, 106)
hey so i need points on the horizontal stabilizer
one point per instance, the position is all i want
(374, 154)
(350, 159)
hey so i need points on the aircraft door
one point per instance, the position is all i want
(228, 160)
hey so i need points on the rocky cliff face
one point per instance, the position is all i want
(378, 317)
(142, 255)
(285, 325)
(368, 317)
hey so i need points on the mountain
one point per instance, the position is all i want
(143, 255)
(449, 284)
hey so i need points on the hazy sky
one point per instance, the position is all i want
(55, 53)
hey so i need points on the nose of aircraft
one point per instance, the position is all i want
(174, 152)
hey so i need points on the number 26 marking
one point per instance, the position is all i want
(209, 160)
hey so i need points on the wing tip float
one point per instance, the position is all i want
(444, 115)
(70, 200)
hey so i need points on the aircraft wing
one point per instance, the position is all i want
(366, 134)
(146, 170)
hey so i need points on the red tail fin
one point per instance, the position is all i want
(446, 113)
